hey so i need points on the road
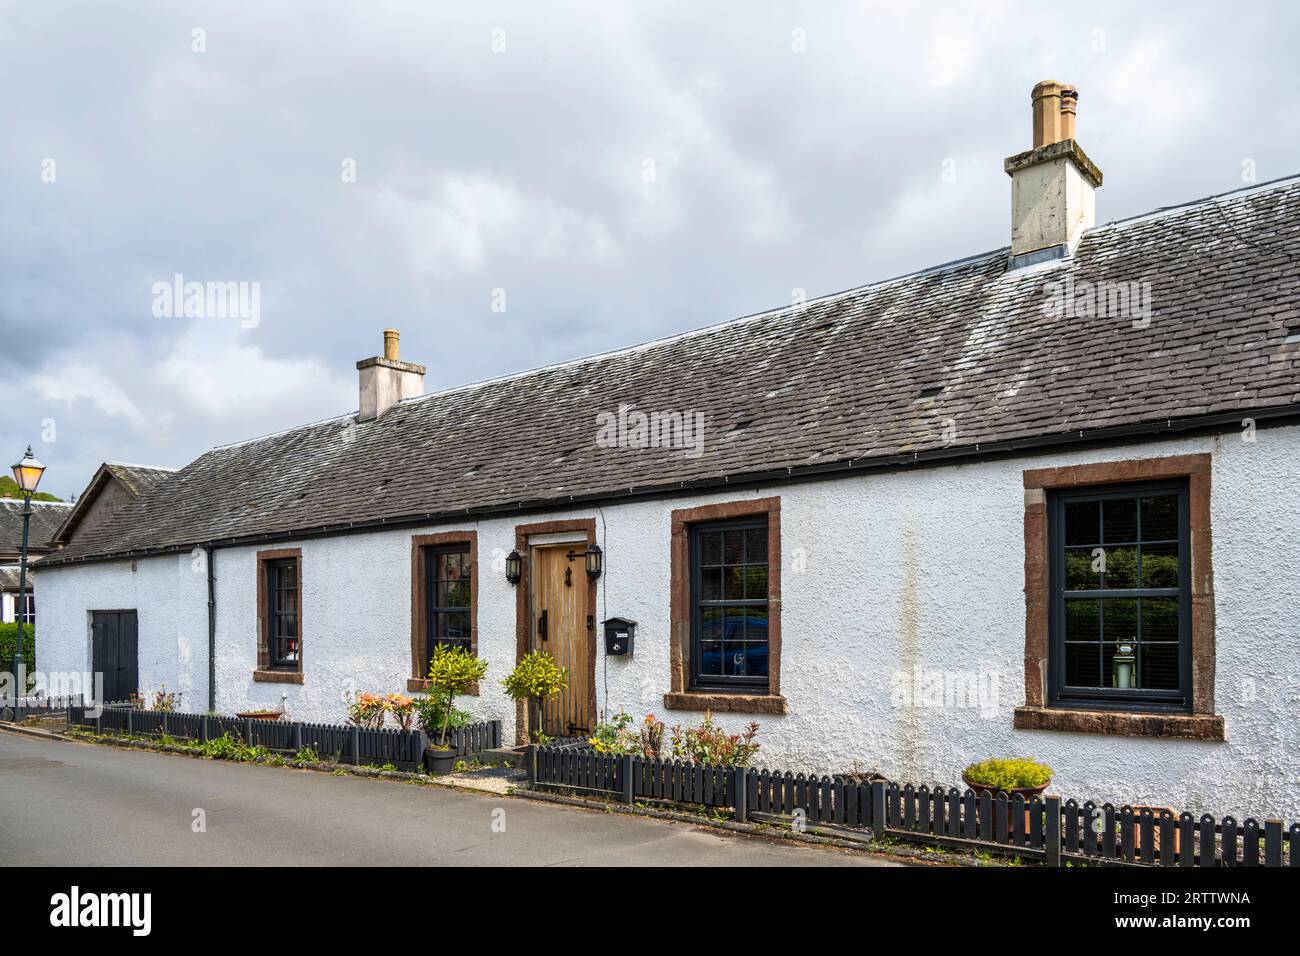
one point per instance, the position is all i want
(68, 803)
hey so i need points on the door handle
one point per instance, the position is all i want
(541, 626)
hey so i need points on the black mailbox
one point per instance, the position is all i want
(619, 635)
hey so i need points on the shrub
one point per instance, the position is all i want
(614, 737)
(7, 634)
(165, 702)
(713, 745)
(452, 671)
(402, 708)
(1009, 773)
(652, 737)
(534, 679)
(430, 710)
(367, 710)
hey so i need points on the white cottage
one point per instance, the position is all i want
(1030, 502)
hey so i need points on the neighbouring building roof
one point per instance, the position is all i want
(113, 485)
(958, 360)
(9, 579)
(46, 518)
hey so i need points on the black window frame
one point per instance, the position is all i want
(432, 612)
(275, 615)
(1115, 698)
(749, 684)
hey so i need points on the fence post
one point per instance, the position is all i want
(205, 732)
(248, 731)
(99, 718)
(1053, 834)
(530, 758)
(627, 779)
(130, 728)
(164, 722)
(297, 736)
(740, 793)
(356, 745)
(878, 808)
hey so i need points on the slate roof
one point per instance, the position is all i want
(138, 478)
(833, 386)
(46, 518)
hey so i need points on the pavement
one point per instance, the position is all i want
(68, 803)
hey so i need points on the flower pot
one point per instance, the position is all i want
(440, 761)
(261, 714)
(993, 792)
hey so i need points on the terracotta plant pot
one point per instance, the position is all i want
(261, 714)
(993, 792)
(440, 761)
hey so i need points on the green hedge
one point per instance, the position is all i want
(7, 633)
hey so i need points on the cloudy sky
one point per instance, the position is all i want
(607, 173)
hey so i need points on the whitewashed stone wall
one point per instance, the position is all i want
(918, 569)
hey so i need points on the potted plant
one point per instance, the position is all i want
(452, 671)
(534, 679)
(1010, 775)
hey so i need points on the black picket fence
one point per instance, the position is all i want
(1048, 829)
(36, 707)
(346, 743)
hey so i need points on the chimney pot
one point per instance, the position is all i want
(391, 348)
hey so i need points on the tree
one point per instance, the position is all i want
(452, 671)
(534, 679)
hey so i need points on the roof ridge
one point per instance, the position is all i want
(1203, 201)
(35, 503)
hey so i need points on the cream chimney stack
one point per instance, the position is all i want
(1052, 185)
(386, 380)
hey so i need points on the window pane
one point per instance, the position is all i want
(756, 625)
(1159, 619)
(733, 547)
(710, 547)
(1082, 522)
(733, 583)
(756, 546)
(1079, 575)
(1119, 619)
(733, 660)
(710, 663)
(1160, 518)
(1082, 665)
(1119, 520)
(711, 624)
(1121, 568)
(1159, 565)
(1083, 620)
(711, 584)
(453, 594)
(756, 582)
(756, 659)
(1159, 666)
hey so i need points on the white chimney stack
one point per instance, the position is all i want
(1053, 185)
(386, 380)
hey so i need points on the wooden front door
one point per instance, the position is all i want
(115, 653)
(559, 604)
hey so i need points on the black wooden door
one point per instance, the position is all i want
(115, 652)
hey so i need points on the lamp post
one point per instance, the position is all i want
(27, 473)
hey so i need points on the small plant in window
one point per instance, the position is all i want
(710, 744)
(534, 679)
(1008, 774)
(367, 710)
(402, 708)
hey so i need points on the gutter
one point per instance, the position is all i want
(1119, 434)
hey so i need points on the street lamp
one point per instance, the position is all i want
(27, 473)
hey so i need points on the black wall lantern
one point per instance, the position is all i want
(595, 560)
(514, 567)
